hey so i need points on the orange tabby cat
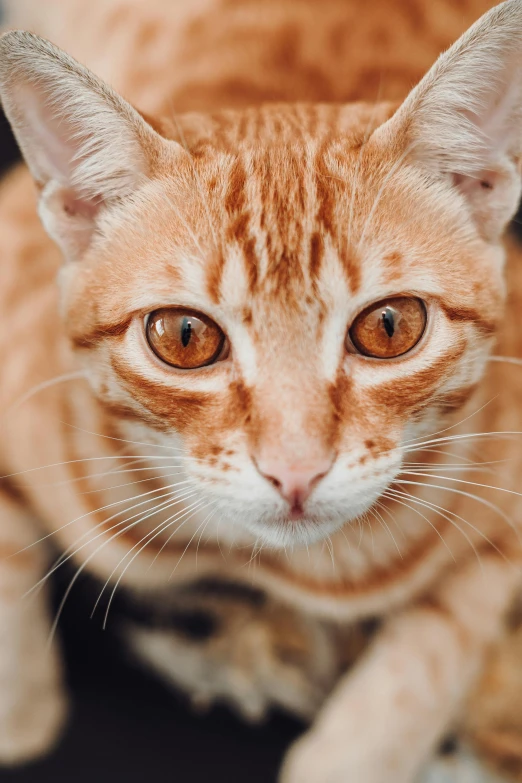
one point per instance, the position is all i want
(273, 328)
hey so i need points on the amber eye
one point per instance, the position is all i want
(389, 328)
(183, 338)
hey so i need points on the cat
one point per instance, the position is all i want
(281, 280)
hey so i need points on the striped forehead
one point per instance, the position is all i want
(280, 211)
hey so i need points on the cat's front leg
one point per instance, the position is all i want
(387, 716)
(32, 702)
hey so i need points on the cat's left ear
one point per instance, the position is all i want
(86, 147)
(464, 119)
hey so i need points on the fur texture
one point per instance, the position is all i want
(277, 184)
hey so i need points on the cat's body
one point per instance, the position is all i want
(283, 222)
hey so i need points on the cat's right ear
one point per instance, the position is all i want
(463, 121)
(86, 147)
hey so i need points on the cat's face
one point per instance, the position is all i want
(299, 293)
(247, 271)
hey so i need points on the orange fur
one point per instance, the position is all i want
(254, 189)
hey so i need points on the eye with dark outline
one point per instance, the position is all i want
(184, 339)
(389, 328)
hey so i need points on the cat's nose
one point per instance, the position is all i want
(295, 482)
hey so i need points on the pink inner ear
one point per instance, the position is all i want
(70, 219)
(485, 180)
(80, 207)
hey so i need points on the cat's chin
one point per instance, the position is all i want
(287, 532)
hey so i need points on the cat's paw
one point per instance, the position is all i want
(30, 723)
(461, 767)
(251, 652)
(309, 761)
(245, 671)
(322, 757)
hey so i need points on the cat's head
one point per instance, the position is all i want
(287, 295)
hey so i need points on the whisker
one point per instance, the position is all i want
(191, 510)
(329, 545)
(114, 472)
(137, 482)
(120, 440)
(395, 497)
(428, 469)
(388, 511)
(76, 576)
(506, 360)
(471, 483)
(479, 499)
(73, 550)
(472, 497)
(361, 522)
(206, 521)
(386, 527)
(102, 508)
(186, 549)
(445, 453)
(343, 532)
(469, 436)
(255, 552)
(444, 513)
(71, 376)
(167, 542)
(77, 461)
(458, 423)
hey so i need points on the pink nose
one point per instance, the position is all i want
(294, 482)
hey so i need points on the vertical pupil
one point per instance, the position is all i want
(388, 321)
(186, 332)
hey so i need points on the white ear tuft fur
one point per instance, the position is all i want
(464, 119)
(84, 145)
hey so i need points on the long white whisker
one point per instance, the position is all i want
(76, 576)
(206, 522)
(86, 460)
(73, 550)
(479, 499)
(444, 513)
(452, 438)
(473, 497)
(457, 424)
(506, 360)
(471, 483)
(137, 549)
(388, 511)
(108, 474)
(120, 440)
(71, 376)
(395, 496)
(186, 548)
(328, 542)
(138, 482)
(105, 508)
(386, 527)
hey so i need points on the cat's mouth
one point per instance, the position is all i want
(298, 527)
(296, 512)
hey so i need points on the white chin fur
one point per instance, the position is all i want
(286, 533)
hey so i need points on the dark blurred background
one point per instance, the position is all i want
(126, 726)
